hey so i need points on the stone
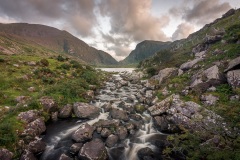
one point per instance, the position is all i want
(89, 94)
(66, 111)
(233, 78)
(212, 39)
(54, 116)
(93, 150)
(164, 74)
(111, 140)
(122, 132)
(180, 72)
(228, 13)
(36, 146)
(209, 100)
(199, 48)
(83, 133)
(119, 114)
(35, 128)
(105, 132)
(27, 155)
(84, 110)
(31, 89)
(188, 65)
(107, 123)
(75, 148)
(49, 104)
(22, 99)
(234, 98)
(135, 117)
(145, 153)
(29, 116)
(64, 157)
(107, 107)
(31, 63)
(200, 54)
(5, 154)
(212, 73)
(233, 64)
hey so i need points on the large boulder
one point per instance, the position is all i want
(190, 64)
(66, 111)
(212, 39)
(93, 150)
(83, 133)
(49, 104)
(164, 74)
(35, 128)
(111, 140)
(233, 64)
(84, 110)
(36, 146)
(119, 114)
(5, 154)
(29, 116)
(233, 78)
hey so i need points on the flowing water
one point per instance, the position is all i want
(58, 135)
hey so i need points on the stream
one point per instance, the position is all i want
(118, 90)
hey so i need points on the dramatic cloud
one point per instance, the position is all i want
(205, 11)
(134, 18)
(183, 30)
(77, 15)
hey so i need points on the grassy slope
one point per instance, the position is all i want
(190, 143)
(61, 78)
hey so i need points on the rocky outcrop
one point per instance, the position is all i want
(83, 133)
(84, 110)
(164, 74)
(93, 150)
(66, 111)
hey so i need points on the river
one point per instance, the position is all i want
(115, 92)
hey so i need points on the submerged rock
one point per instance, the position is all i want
(93, 150)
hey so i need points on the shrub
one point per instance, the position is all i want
(44, 62)
(60, 58)
(65, 66)
(151, 71)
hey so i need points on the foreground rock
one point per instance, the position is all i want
(49, 104)
(29, 116)
(119, 114)
(83, 133)
(5, 154)
(93, 150)
(35, 128)
(84, 110)
(66, 111)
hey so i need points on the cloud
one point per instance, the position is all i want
(205, 11)
(77, 15)
(182, 31)
(134, 18)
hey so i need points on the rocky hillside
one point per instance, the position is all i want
(198, 88)
(24, 37)
(145, 50)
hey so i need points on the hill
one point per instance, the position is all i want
(32, 36)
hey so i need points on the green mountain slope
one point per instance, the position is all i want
(55, 40)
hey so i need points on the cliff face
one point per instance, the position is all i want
(55, 40)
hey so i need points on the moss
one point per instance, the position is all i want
(139, 108)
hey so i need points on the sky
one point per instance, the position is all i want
(116, 26)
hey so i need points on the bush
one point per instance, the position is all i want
(60, 58)
(75, 64)
(151, 71)
(65, 66)
(44, 62)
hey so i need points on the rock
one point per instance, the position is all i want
(199, 48)
(107, 107)
(66, 111)
(31, 63)
(49, 105)
(111, 140)
(36, 146)
(122, 132)
(129, 126)
(233, 78)
(212, 73)
(145, 153)
(212, 39)
(29, 116)
(180, 72)
(212, 89)
(190, 64)
(233, 64)
(119, 114)
(75, 148)
(229, 13)
(200, 54)
(5, 154)
(164, 74)
(135, 117)
(27, 155)
(165, 125)
(54, 116)
(31, 89)
(234, 98)
(22, 99)
(84, 110)
(83, 133)
(89, 94)
(209, 100)
(107, 123)
(139, 109)
(64, 157)
(105, 132)
(93, 150)
(35, 128)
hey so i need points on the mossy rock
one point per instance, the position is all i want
(139, 109)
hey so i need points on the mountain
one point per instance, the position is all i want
(145, 50)
(55, 40)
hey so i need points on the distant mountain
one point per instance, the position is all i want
(145, 50)
(55, 40)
